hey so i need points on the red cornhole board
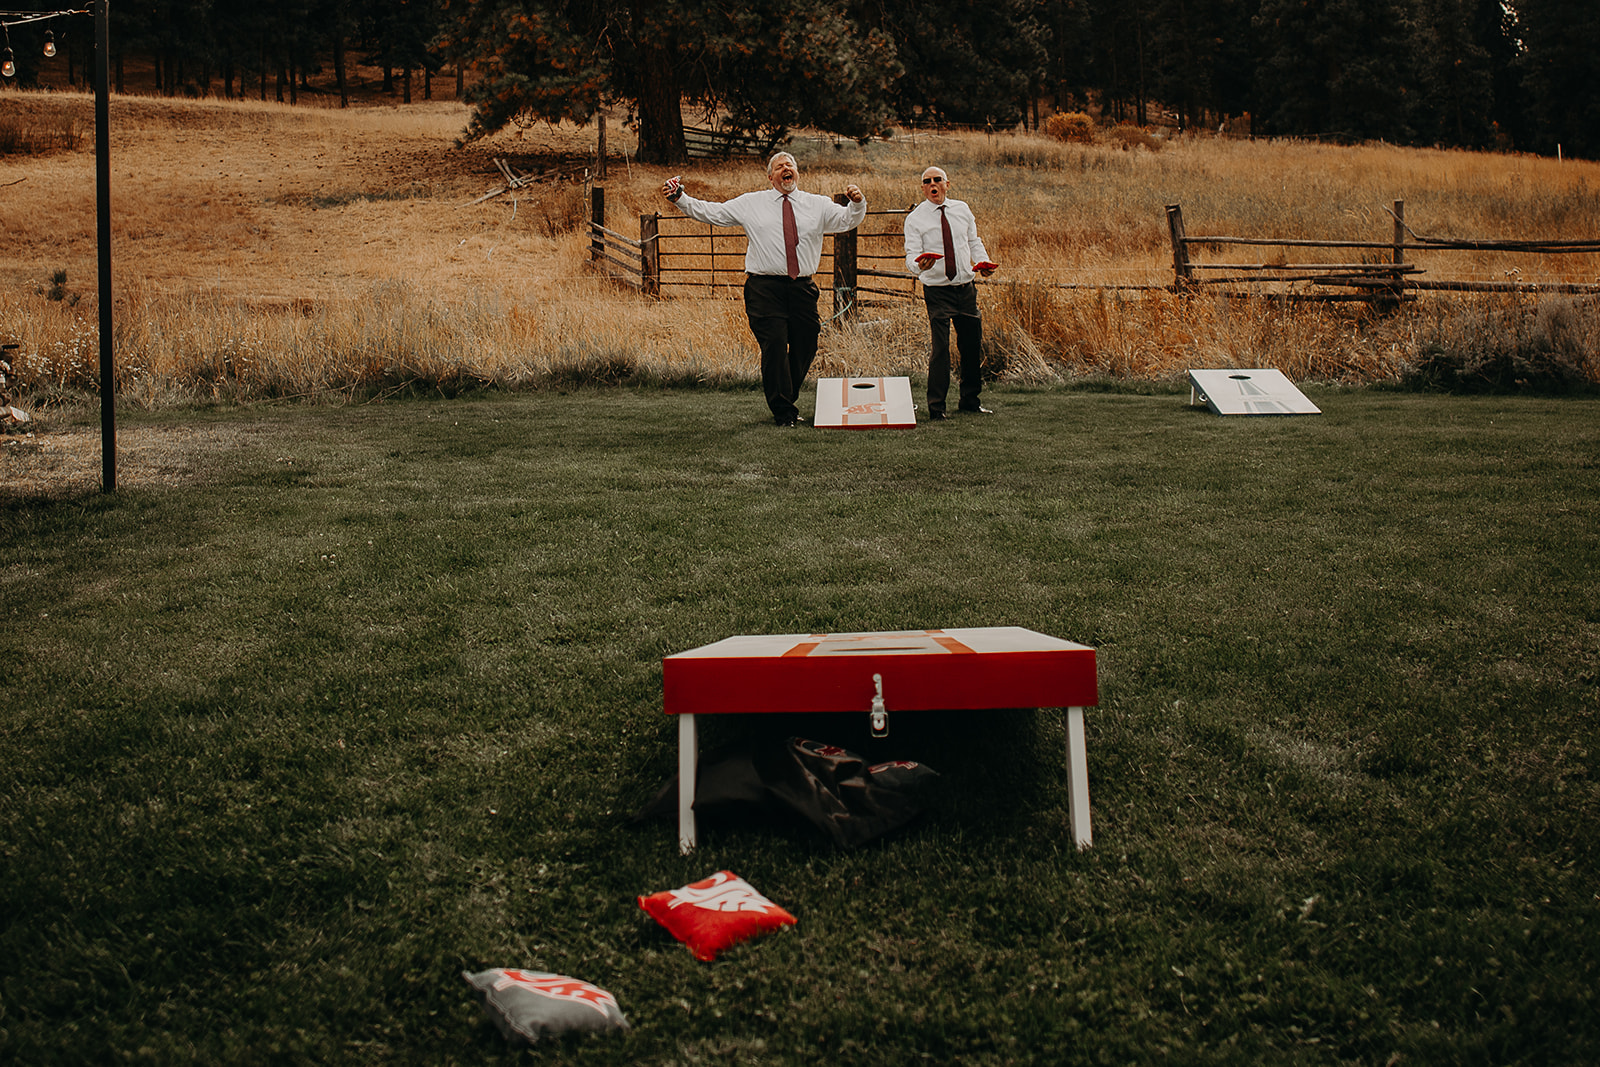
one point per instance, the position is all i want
(979, 668)
(864, 404)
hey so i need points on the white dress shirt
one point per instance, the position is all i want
(924, 234)
(761, 215)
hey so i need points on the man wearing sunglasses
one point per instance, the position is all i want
(783, 228)
(943, 250)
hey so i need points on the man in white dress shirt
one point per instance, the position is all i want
(943, 250)
(783, 227)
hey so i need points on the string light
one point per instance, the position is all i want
(9, 19)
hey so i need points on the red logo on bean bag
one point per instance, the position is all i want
(527, 1004)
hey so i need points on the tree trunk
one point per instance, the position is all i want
(406, 79)
(338, 66)
(660, 107)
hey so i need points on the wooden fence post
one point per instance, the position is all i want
(845, 261)
(1399, 247)
(597, 218)
(650, 255)
(1181, 274)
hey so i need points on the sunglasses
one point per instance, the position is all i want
(930, 181)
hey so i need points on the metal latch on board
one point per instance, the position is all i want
(878, 717)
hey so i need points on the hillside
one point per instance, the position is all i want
(265, 250)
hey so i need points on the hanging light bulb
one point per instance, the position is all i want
(9, 67)
(49, 43)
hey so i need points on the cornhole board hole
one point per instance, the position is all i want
(864, 404)
(977, 669)
(1249, 392)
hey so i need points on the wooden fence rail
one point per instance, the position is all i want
(1390, 281)
(675, 252)
(720, 144)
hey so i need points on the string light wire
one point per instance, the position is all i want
(9, 19)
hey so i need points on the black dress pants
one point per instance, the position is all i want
(957, 304)
(783, 317)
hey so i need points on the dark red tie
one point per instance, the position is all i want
(949, 246)
(791, 238)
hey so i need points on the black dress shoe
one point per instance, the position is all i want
(937, 416)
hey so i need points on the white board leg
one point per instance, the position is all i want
(688, 769)
(1078, 776)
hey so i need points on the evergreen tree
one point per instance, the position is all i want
(1068, 50)
(1561, 74)
(1333, 68)
(769, 67)
(1454, 101)
(968, 62)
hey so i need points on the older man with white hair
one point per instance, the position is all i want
(944, 251)
(783, 228)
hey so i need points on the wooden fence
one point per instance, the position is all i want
(675, 252)
(720, 144)
(1388, 278)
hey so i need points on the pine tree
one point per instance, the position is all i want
(1561, 74)
(768, 67)
(967, 62)
(1333, 68)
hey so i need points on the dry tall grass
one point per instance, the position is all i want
(261, 249)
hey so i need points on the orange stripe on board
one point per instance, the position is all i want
(950, 644)
(882, 397)
(805, 648)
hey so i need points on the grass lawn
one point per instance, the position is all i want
(367, 701)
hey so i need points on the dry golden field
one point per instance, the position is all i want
(261, 249)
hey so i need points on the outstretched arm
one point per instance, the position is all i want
(847, 216)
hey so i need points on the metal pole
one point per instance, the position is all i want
(102, 160)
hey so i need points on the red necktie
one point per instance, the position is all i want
(791, 238)
(949, 245)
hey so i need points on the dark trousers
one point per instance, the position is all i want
(783, 316)
(954, 304)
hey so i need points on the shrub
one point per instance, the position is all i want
(28, 136)
(1074, 127)
(1135, 137)
(1504, 346)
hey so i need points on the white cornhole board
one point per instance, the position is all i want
(1249, 392)
(864, 404)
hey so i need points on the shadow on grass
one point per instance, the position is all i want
(996, 768)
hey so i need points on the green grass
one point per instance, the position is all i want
(366, 704)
